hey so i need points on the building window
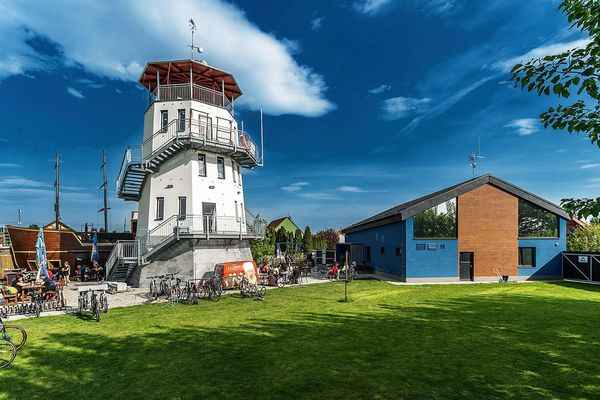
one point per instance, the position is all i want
(164, 120)
(536, 222)
(382, 251)
(237, 215)
(367, 253)
(239, 174)
(182, 207)
(160, 208)
(201, 164)
(527, 257)
(242, 211)
(398, 251)
(221, 167)
(181, 120)
(233, 171)
(438, 222)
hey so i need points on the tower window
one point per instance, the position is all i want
(221, 167)
(182, 207)
(201, 164)
(238, 174)
(181, 120)
(164, 120)
(233, 171)
(237, 215)
(160, 208)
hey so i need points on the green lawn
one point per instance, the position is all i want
(521, 341)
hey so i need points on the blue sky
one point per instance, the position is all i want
(368, 102)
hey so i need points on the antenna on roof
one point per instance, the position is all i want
(193, 48)
(475, 156)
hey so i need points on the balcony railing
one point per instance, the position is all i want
(223, 133)
(199, 93)
(207, 226)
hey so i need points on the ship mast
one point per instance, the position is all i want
(57, 192)
(104, 187)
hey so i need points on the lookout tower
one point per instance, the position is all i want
(187, 176)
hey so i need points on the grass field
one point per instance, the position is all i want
(520, 341)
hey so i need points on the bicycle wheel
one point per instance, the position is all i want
(153, 289)
(104, 300)
(8, 352)
(96, 309)
(261, 291)
(16, 335)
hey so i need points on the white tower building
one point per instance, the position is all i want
(186, 176)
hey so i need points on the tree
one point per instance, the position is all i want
(327, 238)
(585, 238)
(264, 247)
(298, 240)
(307, 242)
(573, 72)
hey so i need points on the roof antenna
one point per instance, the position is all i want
(474, 157)
(193, 48)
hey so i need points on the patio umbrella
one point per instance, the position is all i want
(40, 255)
(95, 256)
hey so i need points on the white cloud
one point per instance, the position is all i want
(263, 64)
(75, 93)
(589, 166)
(524, 126)
(370, 7)
(401, 107)
(542, 51)
(319, 196)
(444, 105)
(350, 189)
(10, 165)
(295, 187)
(21, 181)
(316, 23)
(380, 89)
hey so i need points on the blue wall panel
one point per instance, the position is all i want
(430, 263)
(547, 255)
(387, 236)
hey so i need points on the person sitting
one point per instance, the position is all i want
(98, 271)
(334, 271)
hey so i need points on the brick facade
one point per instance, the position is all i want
(488, 227)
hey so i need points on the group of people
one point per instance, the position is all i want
(50, 279)
(273, 273)
(335, 272)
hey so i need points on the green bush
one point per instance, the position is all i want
(585, 238)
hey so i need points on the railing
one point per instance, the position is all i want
(123, 249)
(132, 154)
(223, 133)
(199, 93)
(209, 226)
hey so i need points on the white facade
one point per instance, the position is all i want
(180, 176)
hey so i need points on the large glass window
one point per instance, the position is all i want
(536, 222)
(181, 120)
(201, 164)
(164, 120)
(160, 208)
(182, 207)
(438, 222)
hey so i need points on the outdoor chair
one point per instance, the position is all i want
(9, 298)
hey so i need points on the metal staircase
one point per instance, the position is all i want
(178, 135)
(124, 258)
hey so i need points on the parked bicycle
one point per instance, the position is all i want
(12, 340)
(248, 289)
(93, 301)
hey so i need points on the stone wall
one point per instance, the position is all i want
(191, 259)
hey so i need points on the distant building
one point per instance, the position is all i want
(285, 223)
(477, 230)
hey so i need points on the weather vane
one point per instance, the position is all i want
(193, 48)
(474, 157)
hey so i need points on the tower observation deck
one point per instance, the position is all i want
(186, 173)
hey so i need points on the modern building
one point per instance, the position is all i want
(187, 176)
(480, 230)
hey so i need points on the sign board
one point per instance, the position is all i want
(582, 259)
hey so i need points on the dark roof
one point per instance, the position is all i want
(413, 207)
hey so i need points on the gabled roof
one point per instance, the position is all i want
(413, 207)
(274, 225)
